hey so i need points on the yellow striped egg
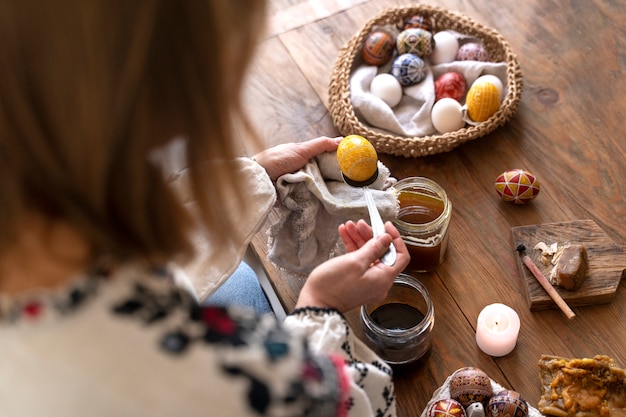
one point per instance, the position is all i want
(357, 158)
(482, 101)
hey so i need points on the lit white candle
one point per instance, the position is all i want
(497, 329)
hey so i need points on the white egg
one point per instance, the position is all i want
(447, 115)
(388, 88)
(446, 47)
(493, 80)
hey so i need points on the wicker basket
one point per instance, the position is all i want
(342, 111)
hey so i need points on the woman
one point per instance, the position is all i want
(92, 234)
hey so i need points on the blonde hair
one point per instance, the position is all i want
(88, 88)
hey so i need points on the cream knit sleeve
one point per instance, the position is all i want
(369, 379)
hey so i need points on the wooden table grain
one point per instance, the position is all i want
(568, 130)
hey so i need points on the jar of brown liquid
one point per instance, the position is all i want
(423, 221)
(399, 329)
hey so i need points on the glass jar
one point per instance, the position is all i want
(399, 328)
(423, 221)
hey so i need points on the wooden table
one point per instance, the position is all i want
(568, 130)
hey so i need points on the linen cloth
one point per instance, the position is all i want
(313, 202)
(411, 117)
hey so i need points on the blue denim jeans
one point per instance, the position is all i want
(242, 289)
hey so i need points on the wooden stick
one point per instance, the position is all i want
(548, 287)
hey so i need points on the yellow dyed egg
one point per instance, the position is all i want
(357, 158)
(482, 101)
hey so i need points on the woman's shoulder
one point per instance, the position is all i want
(134, 342)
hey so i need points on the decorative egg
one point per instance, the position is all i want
(415, 41)
(409, 69)
(357, 158)
(387, 88)
(450, 84)
(507, 403)
(517, 186)
(482, 101)
(446, 408)
(446, 48)
(470, 385)
(447, 115)
(378, 48)
(472, 51)
(417, 21)
(493, 80)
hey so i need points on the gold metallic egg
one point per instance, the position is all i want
(482, 101)
(357, 158)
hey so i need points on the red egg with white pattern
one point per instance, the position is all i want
(446, 408)
(450, 84)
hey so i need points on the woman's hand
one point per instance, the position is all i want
(290, 157)
(358, 277)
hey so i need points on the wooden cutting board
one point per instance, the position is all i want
(606, 262)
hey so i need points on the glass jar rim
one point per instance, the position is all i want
(431, 186)
(414, 283)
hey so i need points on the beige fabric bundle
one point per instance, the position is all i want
(313, 202)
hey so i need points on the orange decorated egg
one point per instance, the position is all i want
(482, 101)
(378, 48)
(517, 186)
(357, 158)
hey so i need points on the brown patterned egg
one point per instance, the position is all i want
(378, 48)
(482, 101)
(470, 385)
(357, 158)
(507, 403)
(446, 408)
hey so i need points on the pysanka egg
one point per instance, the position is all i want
(418, 22)
(517, 186)
(446, 408)
(450, 84)
(482, 101)
(472, 51)
(378, 48)
(415, 41)
(470, 385)
(507, 403)
(409, 69)
(357, 158)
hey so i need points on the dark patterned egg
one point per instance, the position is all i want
(472, 51)
(470, 385)
(378, 48)
(415, 41)
(446, 408)
(409, 69)
(417, 21)
(507, 403)
(517, 186)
